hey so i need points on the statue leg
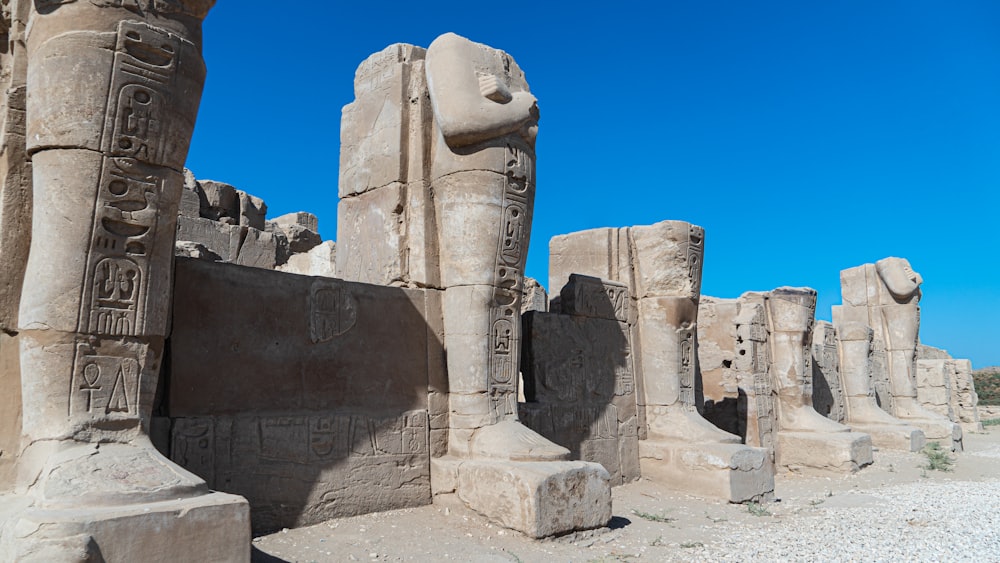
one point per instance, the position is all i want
(484, 226)
(113, 97)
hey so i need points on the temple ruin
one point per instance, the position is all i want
(175, 365)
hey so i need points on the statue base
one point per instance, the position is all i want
(892, 436)
(732, 472)
(536, 498)
(822, 452)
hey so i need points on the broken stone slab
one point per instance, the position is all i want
(538, 499)
(196, 250)
(259, 249)
(823, 453)
(533, 297)
(219, 238)
(211, 527)
(300, 228)
(318, 261)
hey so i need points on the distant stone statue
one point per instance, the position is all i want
(113, 92)
(885, 296)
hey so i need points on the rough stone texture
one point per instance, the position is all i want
(660, 265)
(318, 261)
(885, 296)
(828, 395)
(213, 527)
(10, 409)
(386, 221)
(288, 406)
(965, 401)
(580, 388)
(934, 379)
(533, 297)
(538, 499)
(300, 228)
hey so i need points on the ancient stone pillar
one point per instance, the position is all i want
(113, 92)
(805, 441)
(661, 265)
(885, 296)
(861, 411)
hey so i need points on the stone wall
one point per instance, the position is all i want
(306, 395)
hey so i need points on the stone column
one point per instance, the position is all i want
(113, 92)
(862, 413)
(483, 180)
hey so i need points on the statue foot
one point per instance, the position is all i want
(87, 474)
(511, 440)
(682, 423)
(802, 418)
(863, 410)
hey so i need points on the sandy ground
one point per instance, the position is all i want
(892, 510)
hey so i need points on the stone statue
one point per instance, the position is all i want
(113, 92)
(885, 296)
(483, 177)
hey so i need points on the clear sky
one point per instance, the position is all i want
(805, 137)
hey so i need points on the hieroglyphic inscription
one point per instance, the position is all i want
(826, 361)
(505, 310)
(130, 187)
(104, 386)
(695, 254)
(332, 310)
(755, 345)
(686, 363)
(878, 376)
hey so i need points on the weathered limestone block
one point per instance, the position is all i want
(965, 400)
(579, 380)
(885, 296)
(318, 261)
(861, 409)
(934, 379)
(385, 141)
(221, 239)
(536, 498)
(534, 297)
(286, 405)
(661, 266)
(300, 228)
(259, 249)
(112, 95)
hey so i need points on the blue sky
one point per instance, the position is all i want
(805, 137)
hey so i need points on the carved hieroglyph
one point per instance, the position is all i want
(885, 297)
(828, 394)
(113, 91)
